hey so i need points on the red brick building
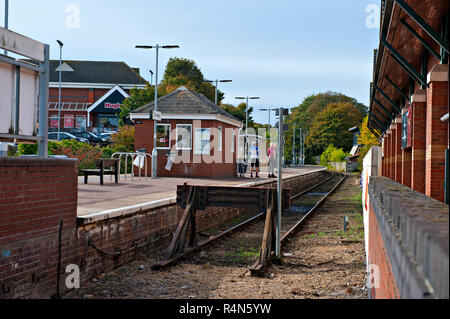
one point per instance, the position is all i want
(410, 94)
(92, 94)
(194, 134)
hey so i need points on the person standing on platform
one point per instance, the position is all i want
(272, 152)
(254, 157)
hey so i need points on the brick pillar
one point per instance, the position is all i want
(392, 152)
(398, 150)
(406, 167)
(387, 153)
(383, 159)
(436, 132)
(418, 102)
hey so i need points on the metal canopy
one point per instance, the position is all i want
(433, 34)
(392, 116)
(421, 40)
(397, 88)
(383, 125)
(403, 62)
(396, 107)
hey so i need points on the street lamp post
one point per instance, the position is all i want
(217, 83)
(246, 121)
(281, 112)
(269, 123)
(6, 18)
(155, 152)
(294, 161)
(151, 79)
(60, 80)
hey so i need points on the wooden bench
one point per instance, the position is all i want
(103, 165)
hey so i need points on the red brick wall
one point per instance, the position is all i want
(436, 140)
(398, 152)
(377, 256)
(418, 147)
(35, 194)
(196, 167)
(389, 155)
(76, 95)
(406, 167)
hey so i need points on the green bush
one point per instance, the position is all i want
(332, 154)
(27, 149)
(86, 154)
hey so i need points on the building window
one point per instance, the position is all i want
(184, 137)
(107, 121)
(219, 144)
(81, 121)
(68, 121)
(202, 145)
(163, 136)
(54, 123)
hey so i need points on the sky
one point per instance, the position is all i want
(281, 51)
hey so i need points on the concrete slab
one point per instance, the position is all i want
(112, 199)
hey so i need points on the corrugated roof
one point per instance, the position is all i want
(184, 101)
(96, 72)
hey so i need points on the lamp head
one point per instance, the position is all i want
(60, 43)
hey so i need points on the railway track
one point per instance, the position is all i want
(238, 242)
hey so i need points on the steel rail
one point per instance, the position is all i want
(311, 188)
(297, 226)
(174, 260)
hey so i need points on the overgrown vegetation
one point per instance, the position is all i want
(87, 155)
(332, 154)
(367, 140)
(327, 117)
(179, 72)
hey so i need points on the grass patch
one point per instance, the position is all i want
(243, 255)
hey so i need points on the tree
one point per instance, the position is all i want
(179, 72)
(138, 98)
(332, 154)
(331, 126)
(366, 140)
(184, 72)
(239, 112)
(304, 116)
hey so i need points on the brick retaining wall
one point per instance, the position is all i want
(35, 194)
(408, 241)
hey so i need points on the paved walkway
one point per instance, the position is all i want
(94, 198)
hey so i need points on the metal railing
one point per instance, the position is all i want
(133, 157)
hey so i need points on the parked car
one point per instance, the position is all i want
(107, 135)
(92, 138)
(66, 136)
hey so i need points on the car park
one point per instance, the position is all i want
(92, 138)
(66, 136)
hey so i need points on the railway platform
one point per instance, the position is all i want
(96, 200)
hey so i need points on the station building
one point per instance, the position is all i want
(92, 94)
(195, 137)
(405, 181)
(410, 95)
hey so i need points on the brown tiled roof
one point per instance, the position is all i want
(96, 72)
(184, 101)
